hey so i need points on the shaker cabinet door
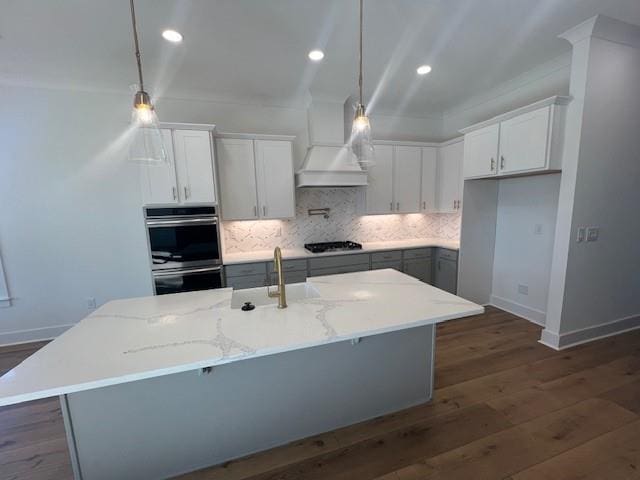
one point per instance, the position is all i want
(236, 167)
(481, 152)
(194, 160)
(407, 175)
(523, 142)
(274, 171)
(379, 194)
(158, 180)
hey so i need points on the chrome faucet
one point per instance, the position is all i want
(281, 292)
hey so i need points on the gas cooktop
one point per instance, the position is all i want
(332, 246)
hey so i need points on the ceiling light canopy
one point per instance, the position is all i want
(172, 36)
(423, 69)
(316, 55)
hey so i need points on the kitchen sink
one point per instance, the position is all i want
(258, 296)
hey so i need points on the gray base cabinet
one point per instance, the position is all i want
(436, 266)
(446, 270)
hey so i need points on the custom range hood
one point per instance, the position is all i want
(329, 162)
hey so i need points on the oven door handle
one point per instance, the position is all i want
(173, 273)
(190, 221)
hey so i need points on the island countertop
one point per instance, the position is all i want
(140, 338)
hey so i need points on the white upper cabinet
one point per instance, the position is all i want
(187, 176)
(274, 173)
(481, 152)
(256, 178)
(379, 191)
(429, 179)
(525, 141)
(450, 181)
(407, 179)
(158, 180)
(194, 164)
(236, 170)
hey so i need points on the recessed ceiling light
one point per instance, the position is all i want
(316, 55)
(423, 69)
(172, 36)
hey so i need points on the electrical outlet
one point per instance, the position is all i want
(91, 303)
(592, 234)
(581, 235)
(537, 229)
(523, 289)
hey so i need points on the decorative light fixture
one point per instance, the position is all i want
(423, 69)
(147, 145)
(361, 142)
(316, 55)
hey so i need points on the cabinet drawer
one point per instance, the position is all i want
(299, 265)
(292, 277)
(339, 261)
(245, 269)
(386, 256)
(417, 253)
(247, 281)
(341, 269)
(396, 264)
(445, 254)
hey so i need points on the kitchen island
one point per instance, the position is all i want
(157, 386)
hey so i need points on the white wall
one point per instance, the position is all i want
(523, 254)
(599, 291)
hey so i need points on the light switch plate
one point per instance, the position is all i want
(592, 234)
(581, 235)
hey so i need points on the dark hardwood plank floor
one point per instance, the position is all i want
(505, 407)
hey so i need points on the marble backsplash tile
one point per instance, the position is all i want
(344, 223)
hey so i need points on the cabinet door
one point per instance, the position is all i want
(481, 152)
(194, 162)
(158, 180)
(274, 173)
(236, 167)
(524, 141)
(446, 275)
(449, 178)
(407, 176)
(418, 268)
(429, 179)
(380, 181)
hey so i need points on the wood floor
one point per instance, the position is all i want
(505, 407)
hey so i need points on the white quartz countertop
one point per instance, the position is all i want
(294, 253)
(139, 338)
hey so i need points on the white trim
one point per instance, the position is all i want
(555, 100)
(589, 334)
(405, 143)
(604, 28)
(533, 315)
(5, 302)
(187, 126)
(32, 335)
(256, 136)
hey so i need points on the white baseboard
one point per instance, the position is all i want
(536, 316)
(560, 341)
(32, 335)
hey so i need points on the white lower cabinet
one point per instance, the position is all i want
(450, 181)
(256, 178)
(187, 177)
(525, 141)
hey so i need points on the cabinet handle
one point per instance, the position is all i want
(186, 192)
(174, 191)
(264, 210)
(391, 206)
(255, 210)
(398, 206)
(501, 162)
(424, 205)
(439, 265)
(493, 164)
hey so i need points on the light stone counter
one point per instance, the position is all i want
(295, 253)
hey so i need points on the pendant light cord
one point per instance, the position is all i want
(360, 76)
(137, 46)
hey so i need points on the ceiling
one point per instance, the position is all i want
(255, 51)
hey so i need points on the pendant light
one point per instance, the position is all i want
(361, 142)
(147, 145)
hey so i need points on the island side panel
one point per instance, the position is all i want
(169, 425)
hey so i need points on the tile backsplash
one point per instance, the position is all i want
(344, 223)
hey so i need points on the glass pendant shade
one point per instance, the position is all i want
(361, 142)
(147, 144)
